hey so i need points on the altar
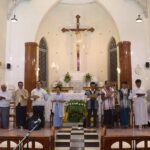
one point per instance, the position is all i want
(67, 97)
(77, 82)
(75, 90)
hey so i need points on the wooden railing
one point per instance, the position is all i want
(32, 143)
(124, 142)
(10, 142)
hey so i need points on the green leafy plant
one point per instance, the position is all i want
(76, 110)
(59, 83)
(67, 78)
(87, 77)
(47, 90)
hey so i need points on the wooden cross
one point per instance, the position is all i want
(77, 30)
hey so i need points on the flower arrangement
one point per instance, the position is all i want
(75, 110)
(67, 78)
(87, 77)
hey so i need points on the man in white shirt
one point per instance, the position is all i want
(5, 98)
(140, 104)
(38, 97)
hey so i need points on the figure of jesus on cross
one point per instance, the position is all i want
(77, 31)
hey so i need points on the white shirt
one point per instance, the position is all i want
(5, 102)
(137, 90)
(41, 100)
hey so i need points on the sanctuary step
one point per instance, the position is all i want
(77, 138)
(70, 124)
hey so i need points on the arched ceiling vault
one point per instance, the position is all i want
(143, 4)
(14, 3)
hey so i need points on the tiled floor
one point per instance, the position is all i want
(77, 138)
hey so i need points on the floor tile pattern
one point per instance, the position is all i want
(77, 138)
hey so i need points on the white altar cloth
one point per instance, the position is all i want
(67, 97)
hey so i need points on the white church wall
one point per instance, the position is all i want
(138, 33)
(93, 46)
(30, 14)
(3, 18)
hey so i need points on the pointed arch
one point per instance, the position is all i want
(43, 61)
(112, 60)
(43, 43)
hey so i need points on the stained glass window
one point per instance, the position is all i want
(43, 61)
(113, 60)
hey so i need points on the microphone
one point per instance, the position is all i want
(38, 121)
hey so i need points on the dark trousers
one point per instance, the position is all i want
(21, 114)
(92, 112)
(39, 111)
(109, 118)
(4, 117)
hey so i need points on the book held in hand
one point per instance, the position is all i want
(140, 94)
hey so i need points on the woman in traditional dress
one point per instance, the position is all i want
(125, 104)
(58, 101)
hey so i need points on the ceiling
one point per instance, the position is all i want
(77, 1)
(14, 3)
(143, 5)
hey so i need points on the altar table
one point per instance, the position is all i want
(67, 97)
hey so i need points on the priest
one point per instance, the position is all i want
(140, 105)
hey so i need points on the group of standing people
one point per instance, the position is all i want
(127, 101)
(20, 98)
(133, 101)
(116, 102)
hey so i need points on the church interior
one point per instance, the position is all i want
(69, 44)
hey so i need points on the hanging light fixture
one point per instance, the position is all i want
(139, 19)
(14, 19)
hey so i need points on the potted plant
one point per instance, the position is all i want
(87, 78)
(75, 111)
(67, 78)
(59, 83)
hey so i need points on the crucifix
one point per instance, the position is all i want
(77, 31)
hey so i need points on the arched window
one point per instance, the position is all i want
(43, 72)
(112, 61)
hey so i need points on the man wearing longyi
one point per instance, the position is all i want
(92, 104)
(5, 98)
(21, 98)
(38, 97)
(108, 104)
